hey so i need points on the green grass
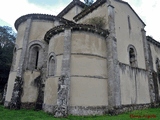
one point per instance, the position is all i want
(6, 114)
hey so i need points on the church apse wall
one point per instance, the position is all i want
(38, 29)
(55, 56)
(17, 52)
(88, 69)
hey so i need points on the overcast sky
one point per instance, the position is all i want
(10, 10)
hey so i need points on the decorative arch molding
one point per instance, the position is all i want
(35, 55)
(51, 64)
(36, 42)
(132, 56)
(75, 27)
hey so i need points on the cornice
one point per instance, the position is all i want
(75, 27)
(40, 17)
(151, 40)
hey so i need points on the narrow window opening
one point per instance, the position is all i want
(51, 66)
(132, 57)
(129, 23)
(34, 56)
(37, 54)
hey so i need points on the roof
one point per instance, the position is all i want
(150, 39)
(40, 17)
(80, 27)
(70, 6)
(97, 4)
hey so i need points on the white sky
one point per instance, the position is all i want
(10, 10)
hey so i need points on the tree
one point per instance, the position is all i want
(88, 2)
(7, 40)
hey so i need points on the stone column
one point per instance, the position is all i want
(16, 94)
(114, 91)
(149, 65)
(64, 81)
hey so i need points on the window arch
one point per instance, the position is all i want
(51, 64)
(132, 56)
(34, 57)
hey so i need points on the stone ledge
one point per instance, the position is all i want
(6, 104)
(129, 108)
(49, 108)
(89, 76)
(75, 27)
(85, 111)
(88, 54)
(28, 105)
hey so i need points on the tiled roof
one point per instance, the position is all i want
(150, 39)
(41, 17)
(79, 27)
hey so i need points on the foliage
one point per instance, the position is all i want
(6, 114)
(88, 2)
(98, 22)
(7, 40)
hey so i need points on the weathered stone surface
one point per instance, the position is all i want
(90, 110)
(61, 109)
(114, 97)
(28, 105)
(16, 95)
(6, 104)
(4, 94)
(17, 90)
(149, 65)
(39, 85)
(49, 108)
(128, 108)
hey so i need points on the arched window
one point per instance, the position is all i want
(51, 64)
(132, 56)
(34, 56)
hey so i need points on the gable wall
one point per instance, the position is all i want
(73, 12)
(133, 81)
(124, 37)
(101, 11)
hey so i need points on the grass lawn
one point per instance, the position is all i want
(6, 114)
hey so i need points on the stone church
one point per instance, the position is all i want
(84, 61)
